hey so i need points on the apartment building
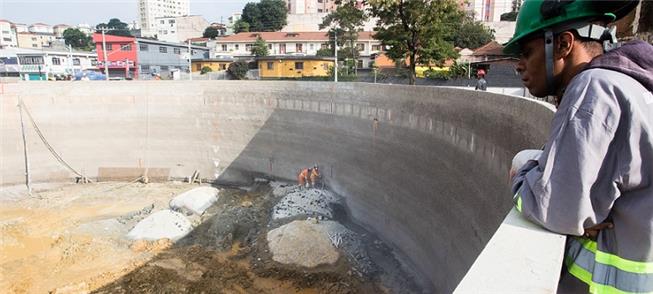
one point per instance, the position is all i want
(35, 40)
(149, 10)
(31, 64)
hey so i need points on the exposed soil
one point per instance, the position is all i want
(72, 240)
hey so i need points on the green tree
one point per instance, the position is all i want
(260, 48)
(252, 15)
(274, 15)
(77, 39)
(211, 33)
(205, 69)
(345, 23)
(471, 34)
(241, 26)
(238, 70)
(417, 30)
(115, 27)
(265, 16)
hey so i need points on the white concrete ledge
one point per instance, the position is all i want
(521, 257)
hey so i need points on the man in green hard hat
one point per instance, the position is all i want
(594, 179)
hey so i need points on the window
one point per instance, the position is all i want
(5, 32)
(162, 21)
(248, 47)
(177, 51)
(35, 46)
(171, 21)
(126, 47)
(56, 61)
(236, 46)
(76, 61)
(376, 47)
(31, 60)
(224, 47)
(299, 47)
(360, 47)
(282, 48)
(299, 65)
(34, 39)
(7, 39)
(143, 47)
(269, 46)
(324, 46)
(163, 49)
(311, 46)
(359, 63)
(223, 66)
(109, 47)
(270, 65)
(319, 10)
(198, 67)
(164, 68)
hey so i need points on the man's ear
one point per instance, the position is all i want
(564, 44)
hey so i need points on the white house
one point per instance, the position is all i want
(291, 43)
(41, 64)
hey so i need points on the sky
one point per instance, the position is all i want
(73, 12)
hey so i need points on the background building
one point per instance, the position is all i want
(487, 10)
(178, 29)
(32, 64)
(7, 34)
(40, 28)
(299, 44)
(149, 10)
(35, 40)
(59, 29)
(139, 58)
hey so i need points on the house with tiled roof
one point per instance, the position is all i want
(239, 45)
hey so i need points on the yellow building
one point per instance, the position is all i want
(284, 67)
(214, 64)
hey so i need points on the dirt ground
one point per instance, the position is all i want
(70, 239)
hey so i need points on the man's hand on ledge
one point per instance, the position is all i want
(593, 231)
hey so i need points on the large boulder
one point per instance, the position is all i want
(196, 200)
(302, 243)
(161, 224)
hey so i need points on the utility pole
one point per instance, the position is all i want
(190, 62)
(335, 45)
(70, 60)
(104, 50)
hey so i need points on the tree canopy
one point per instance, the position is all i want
(264, 16)
(471, 34)
(260, 48)
(417, 30)
(345, 22)
(115, 27)
(77, 39)
(211, 32)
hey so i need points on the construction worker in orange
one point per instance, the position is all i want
(303, 177)
(315, 175)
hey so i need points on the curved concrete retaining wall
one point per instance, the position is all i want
(425, 168)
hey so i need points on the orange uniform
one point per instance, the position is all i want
(315, 176)
(303, 177)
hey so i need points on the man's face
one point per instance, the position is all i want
(532, 68)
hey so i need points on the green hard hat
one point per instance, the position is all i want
(537, 15)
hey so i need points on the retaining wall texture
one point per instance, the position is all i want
(425, 168)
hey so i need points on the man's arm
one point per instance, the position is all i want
(571, 186)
